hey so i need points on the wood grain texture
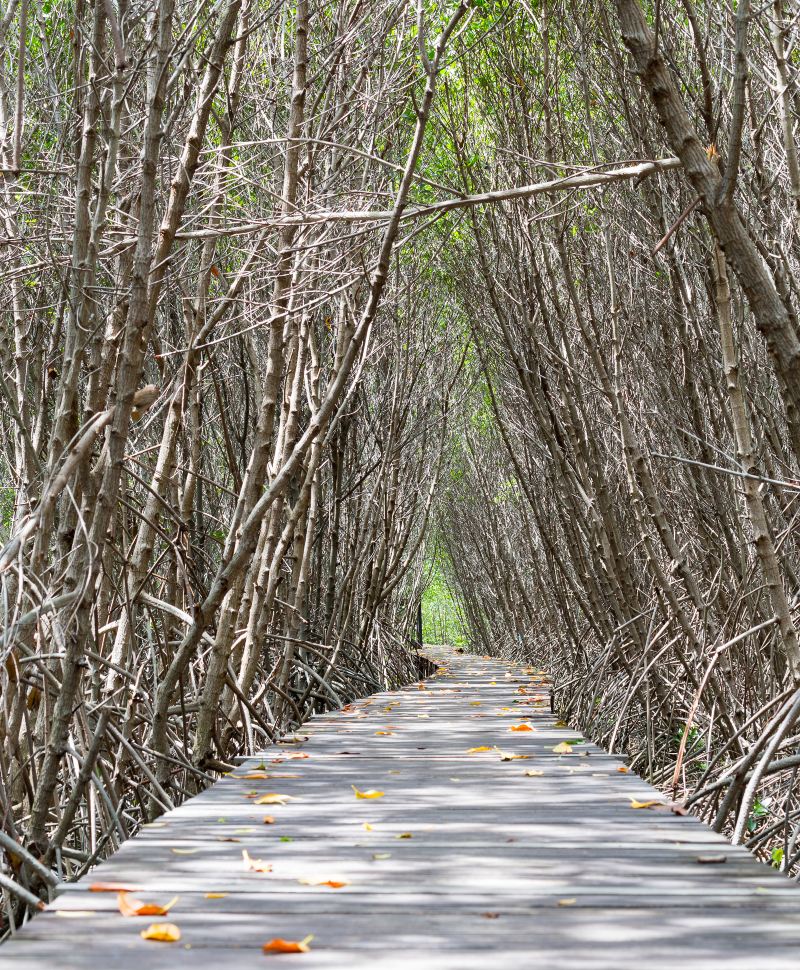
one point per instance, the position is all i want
(554, 870)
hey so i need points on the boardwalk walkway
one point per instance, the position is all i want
(465, 861)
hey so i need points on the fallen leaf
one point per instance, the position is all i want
(384, 734)
(215, 895)
(272, 798)
(268, 820)
(490, 915)
(653, 803)
(510, 756)
(288, 946)
(623, 770)
(534, 773)
(567, 902)
(561, 724)
(370, 793)
(130, 906)
(368, 827)
(378, 856)
(520, 727)
(483, 747)
(184, 851)
(253, 776)
(563, 748)
(162, 932)
(331, 883)
(255, 865)
(112, 887)
(712, 860)
(405, 835)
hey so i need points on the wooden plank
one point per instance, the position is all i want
(463, 856)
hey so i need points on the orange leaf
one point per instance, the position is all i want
(255, 865)
(268, 820)
(623, 770)
(163, 932)
(384, 734)
(520, 727)
(288, 946)
(112, 887)
(129, 906)
(331, 883)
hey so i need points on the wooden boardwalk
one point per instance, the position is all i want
(465, 861)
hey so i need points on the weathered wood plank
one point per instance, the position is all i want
(463, 856)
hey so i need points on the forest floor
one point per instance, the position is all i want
(443, 825)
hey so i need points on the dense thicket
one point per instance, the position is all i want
(289, 289)
(623, 505)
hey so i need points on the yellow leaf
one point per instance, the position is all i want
(510, 756)
(370, 793)
(272, 798)
(163, 932)
(649, 804)
(483, 747)
(255, 865)
(216, 895)
(384, 734)
(368, 827)
(563, 748)
(287, 946)
(379, 856)
(567, 902)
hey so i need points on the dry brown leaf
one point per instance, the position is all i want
(162, 932)
(405, 835)
(268, 820)
(130, 906)
(510, 756)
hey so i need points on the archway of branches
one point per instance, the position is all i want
(312, 312)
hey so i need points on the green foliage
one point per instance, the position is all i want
(441, 616)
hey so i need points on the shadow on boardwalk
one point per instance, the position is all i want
(463, 860)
